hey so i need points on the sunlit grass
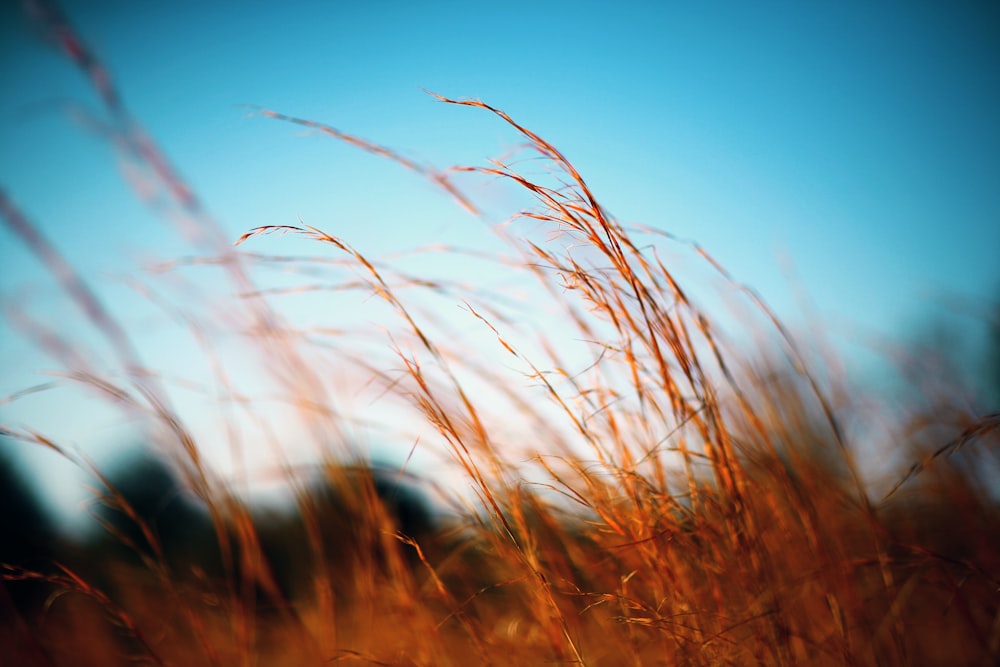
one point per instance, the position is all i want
(681, 500)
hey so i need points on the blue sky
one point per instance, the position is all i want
(856, 143)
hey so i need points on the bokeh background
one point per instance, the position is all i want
(842, 159)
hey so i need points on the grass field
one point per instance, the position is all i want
(681, 500)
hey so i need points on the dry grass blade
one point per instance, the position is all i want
(74, 285)
(437, 177)
(982, 427)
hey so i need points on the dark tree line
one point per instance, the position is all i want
(146, 519)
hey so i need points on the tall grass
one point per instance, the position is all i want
(681, 501)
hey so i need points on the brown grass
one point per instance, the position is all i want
(683, 502)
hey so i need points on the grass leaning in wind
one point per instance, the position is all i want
(720, 516)
(760, 498)
(684, 503)
(763, 545)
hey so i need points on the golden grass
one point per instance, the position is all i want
(685, 503)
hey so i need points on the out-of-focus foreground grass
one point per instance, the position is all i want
(684, 503)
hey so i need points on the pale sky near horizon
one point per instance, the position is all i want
(858, 144)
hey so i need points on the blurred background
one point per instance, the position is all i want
(841, 159)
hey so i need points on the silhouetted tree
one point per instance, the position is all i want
(27, 534)
(147, 520)
(27, 545)
(358, 511)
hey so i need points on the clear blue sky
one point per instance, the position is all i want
(859, 141)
